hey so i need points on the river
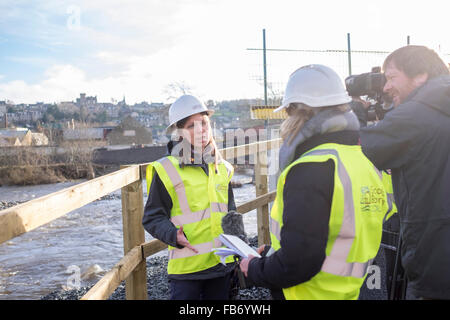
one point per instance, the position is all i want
(88, 240)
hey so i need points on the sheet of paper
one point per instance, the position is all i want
(241, 248)
(224, 253)
(235, 246)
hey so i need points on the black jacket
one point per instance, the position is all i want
(414, 141)
(307, 195)
(156, 221)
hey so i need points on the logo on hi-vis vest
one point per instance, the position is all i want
(372, 199)
(221, 188)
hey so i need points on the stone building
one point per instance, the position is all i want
(130, 132)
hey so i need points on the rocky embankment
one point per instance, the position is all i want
(158, 285)
(8, 204)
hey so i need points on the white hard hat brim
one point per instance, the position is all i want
(314, 102)
(280, 108)
(172, 126)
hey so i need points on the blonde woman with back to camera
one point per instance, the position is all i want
(326, 221)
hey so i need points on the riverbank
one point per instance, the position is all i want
(158, 287)
(89, 238)
(44, 165)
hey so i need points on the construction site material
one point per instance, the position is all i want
(266, 112)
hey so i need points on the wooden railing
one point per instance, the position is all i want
(132, 267)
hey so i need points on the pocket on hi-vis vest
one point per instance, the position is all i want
(373, 199)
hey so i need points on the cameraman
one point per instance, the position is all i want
(413, 140)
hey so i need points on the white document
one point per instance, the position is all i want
(234, 246)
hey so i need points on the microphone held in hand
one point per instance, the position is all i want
(232, 223)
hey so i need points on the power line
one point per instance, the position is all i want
(319, 51)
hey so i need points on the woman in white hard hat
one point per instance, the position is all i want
(326, 221)
(189, 192)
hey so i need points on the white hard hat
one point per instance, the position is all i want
(184, 107)
(315, 85)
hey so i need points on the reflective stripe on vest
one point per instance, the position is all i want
(177, 183)
(201, 248)
(191, 217)
(336, 262)
(387, 182)
(390, 200)
(187, 215)
(274, 228)
(390, 196)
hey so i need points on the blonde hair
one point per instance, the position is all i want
(298, 115)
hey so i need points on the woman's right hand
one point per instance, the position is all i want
(183, 241)
(260, 250)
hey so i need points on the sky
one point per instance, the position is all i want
(52, 50)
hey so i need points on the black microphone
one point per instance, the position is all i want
(232, 223)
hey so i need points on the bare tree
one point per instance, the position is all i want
(177, 88)
(274, 96)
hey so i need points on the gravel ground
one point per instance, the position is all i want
(158, 286)
(6, 204)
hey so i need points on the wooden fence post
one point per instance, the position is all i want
(133, 235)
(261, 187)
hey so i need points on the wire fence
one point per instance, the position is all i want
(282, 62)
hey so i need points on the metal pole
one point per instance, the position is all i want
(349, 53)
(265, 67)
(407, 40)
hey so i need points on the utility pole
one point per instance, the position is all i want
(265, 67)
(265, 74)
(349, 53)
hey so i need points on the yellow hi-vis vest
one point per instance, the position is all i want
(199, 203)
(358, 207)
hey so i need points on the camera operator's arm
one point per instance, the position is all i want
(360, 107)
(390, 143)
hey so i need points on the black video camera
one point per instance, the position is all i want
(366, 84)
(370, 84)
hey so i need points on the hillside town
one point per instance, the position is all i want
(117, 123)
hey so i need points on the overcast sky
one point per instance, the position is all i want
(52, 50)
